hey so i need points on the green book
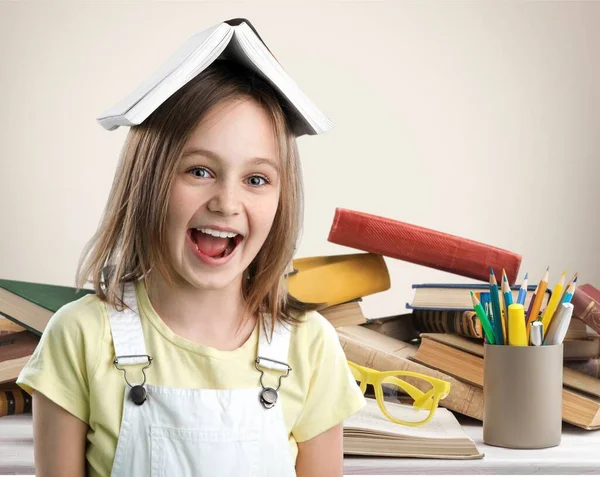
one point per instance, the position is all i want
(31, 305)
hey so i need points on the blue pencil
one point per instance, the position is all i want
(569, 294)
(523, 291)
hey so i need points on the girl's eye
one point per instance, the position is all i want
(256, 181)
(202, 169)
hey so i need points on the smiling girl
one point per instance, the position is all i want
(191, 358)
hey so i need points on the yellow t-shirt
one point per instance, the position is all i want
(73, 367)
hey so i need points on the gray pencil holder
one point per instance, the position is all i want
(522, 396)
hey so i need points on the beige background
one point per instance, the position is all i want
(480, 119)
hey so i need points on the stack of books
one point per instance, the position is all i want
(450, 344)
(586, 307)
(339, 283)
(25, 309)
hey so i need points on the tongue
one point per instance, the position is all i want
(209, 245)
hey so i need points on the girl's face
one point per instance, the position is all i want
(227, 178)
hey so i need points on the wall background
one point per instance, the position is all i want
(479, 119)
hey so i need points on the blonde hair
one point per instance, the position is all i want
(131, 237)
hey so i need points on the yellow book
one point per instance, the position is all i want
(337, 279)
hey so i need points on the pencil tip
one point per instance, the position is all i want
(526, 275)
(548, 268)
(491, 271)
(575, 279)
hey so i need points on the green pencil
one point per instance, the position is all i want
(485, 323)
(496, 310)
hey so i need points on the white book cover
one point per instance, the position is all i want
(238, 42)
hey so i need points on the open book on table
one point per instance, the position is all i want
(369, 432)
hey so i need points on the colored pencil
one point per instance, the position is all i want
(507, 300)
(554, 301)
(523, 291)
(496, 310)
(539, 297)
(532, 302)
(485, 323)
(568, 296)
(562, 298)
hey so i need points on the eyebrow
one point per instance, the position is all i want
(254, 161)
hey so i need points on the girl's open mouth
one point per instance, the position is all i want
(213, 249)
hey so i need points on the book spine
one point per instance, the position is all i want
(463, 323)
(463, 397)
(586, 309)
(468, 325)
(421, 246)
(14, 401)
(591, 367)
(431, 321)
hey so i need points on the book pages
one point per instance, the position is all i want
(369, 419)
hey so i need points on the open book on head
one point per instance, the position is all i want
(235, 40)
(369, 432)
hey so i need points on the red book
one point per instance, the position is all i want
(422, 246)
(591, 291)
(586, 308)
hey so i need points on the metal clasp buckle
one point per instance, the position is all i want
(116, 363)
(268, 395)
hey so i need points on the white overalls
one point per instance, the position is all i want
(198, 432)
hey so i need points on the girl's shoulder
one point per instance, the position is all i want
(84, 316)
(314, 330)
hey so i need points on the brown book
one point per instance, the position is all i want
(580, 349)
(375, 350)
(577, 330)
(400, 327)
(344, 314)
(586, 309)
(15, 351)
(8, 326)
(591, 367)
(464, 323)
(463, 359)
(14, 400)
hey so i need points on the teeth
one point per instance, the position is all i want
(218, 233)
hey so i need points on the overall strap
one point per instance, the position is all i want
(273, 354)
(126, 328)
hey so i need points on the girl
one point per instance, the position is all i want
(191, 358)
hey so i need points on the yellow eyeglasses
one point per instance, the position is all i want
(418, 394)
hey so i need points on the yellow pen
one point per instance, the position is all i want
(517, 330)
(554, 302)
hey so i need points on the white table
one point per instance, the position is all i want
(579, 453)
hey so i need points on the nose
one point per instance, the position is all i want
(226, 199)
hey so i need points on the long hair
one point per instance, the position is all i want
(131, 238)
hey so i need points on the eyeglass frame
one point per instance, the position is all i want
(429, 400)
